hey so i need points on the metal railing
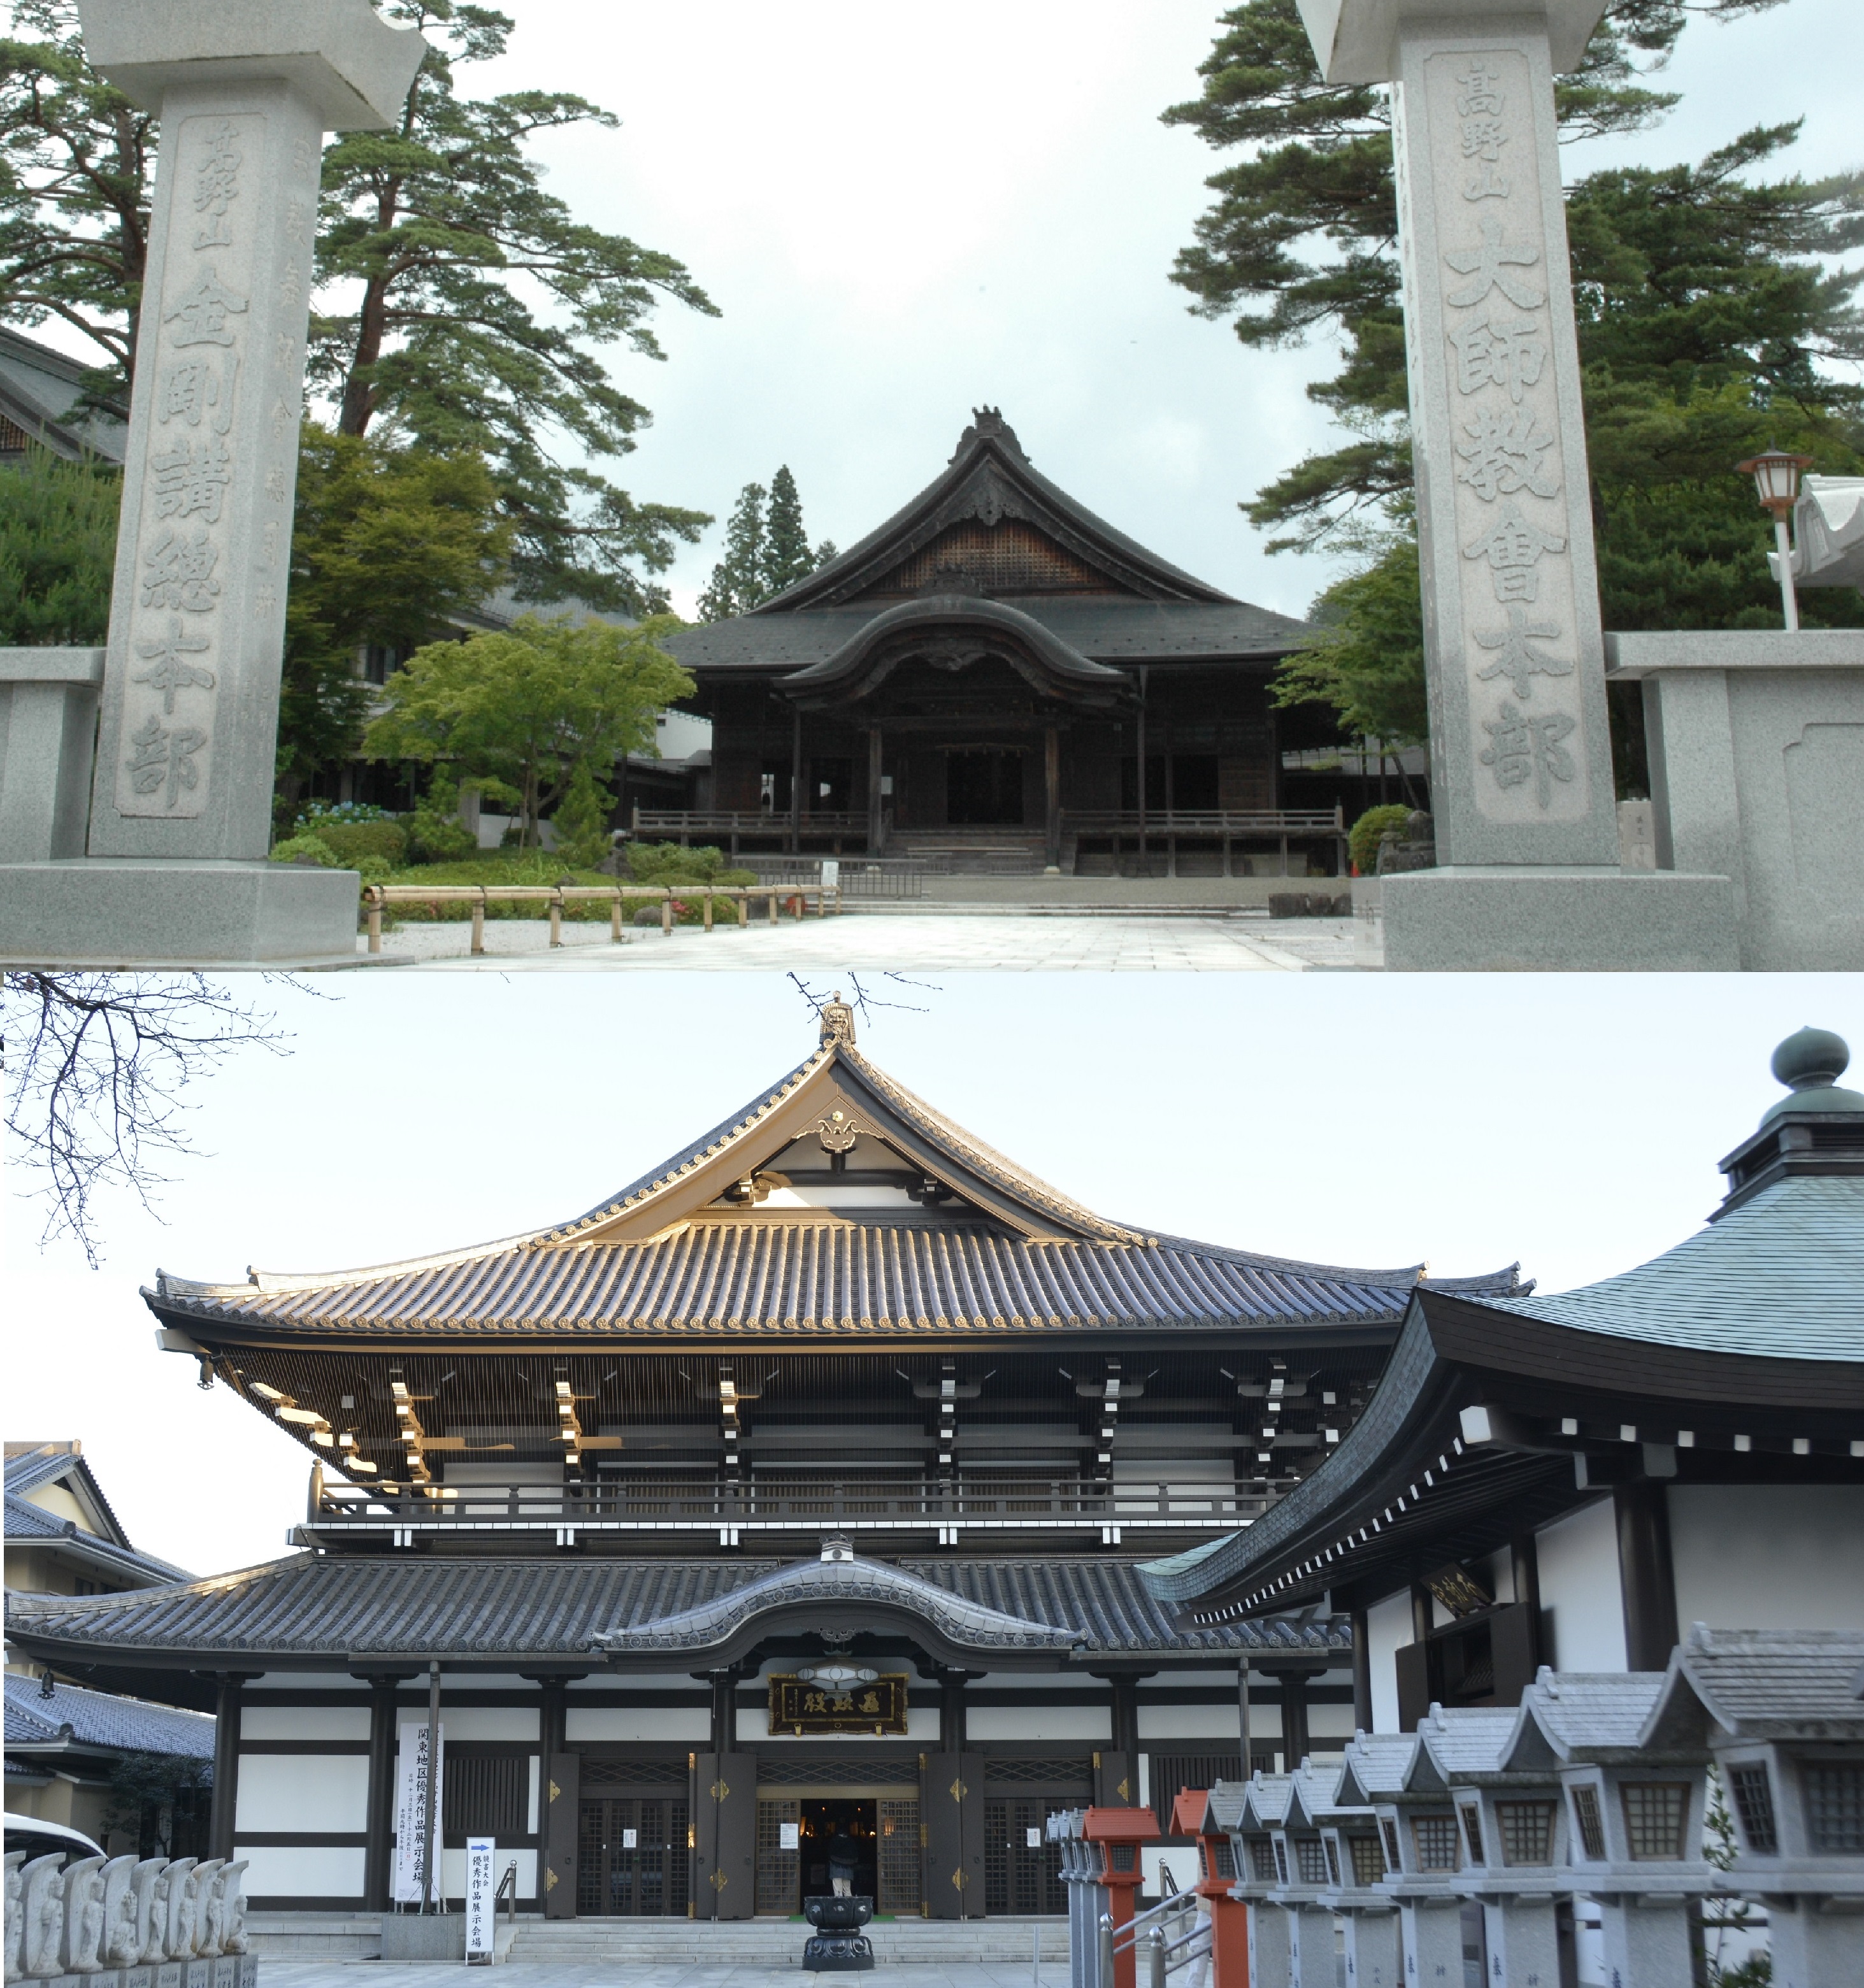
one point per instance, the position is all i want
(726, 827)
(855, 876)
(738, 898)
(1156, 1938)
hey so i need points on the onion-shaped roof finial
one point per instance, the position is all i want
(1810, 1063)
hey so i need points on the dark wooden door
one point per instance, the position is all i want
(561, 1792)
(1021, 1876)
(631, 1858)
(1115, 1784)
(724, 1816)
(951, 1807)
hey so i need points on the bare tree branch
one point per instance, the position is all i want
(100, 1061)
(863, 1001)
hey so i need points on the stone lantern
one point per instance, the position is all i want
(1512, 1836)
(1356, 1866)
(1783, 1711)
(1304, 1878)
(1419, 1834)
(1264, 1801)
(1081, 1873)
(1192, 1814)
(1633, 1814)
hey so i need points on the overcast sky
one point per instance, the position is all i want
(1569, 1122)
(904, 214)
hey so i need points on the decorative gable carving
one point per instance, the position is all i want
(991, 556)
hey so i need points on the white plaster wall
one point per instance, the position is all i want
(302, 1794)
(530, 1825)
(1181, 1860)
(1388, 1630)
(304, 1721)
(1330, 1722)
(754, 1725)
(1042, 1722)
(629, 1680)
(484, 1722)
(1768, 1555)
(1580, 1588)
(1180, 1722)
(286, 1873)
(691, 1723)
(305, 1681)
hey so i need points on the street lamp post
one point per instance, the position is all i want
(1776, 479)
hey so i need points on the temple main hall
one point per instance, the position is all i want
(995, 674)
(800, 1486)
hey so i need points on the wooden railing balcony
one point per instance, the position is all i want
(927, 1512)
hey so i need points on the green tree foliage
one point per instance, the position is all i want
(767, 550)
(425, 227)
(1366, 655)
(76, 161)
(58, 549)
(581, 821)
(386, 542)
(528, 706)
(1363, 838)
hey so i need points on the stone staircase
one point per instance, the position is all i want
(979, 852)
(778, 1942)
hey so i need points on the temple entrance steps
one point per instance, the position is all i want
(778, 1942)
(1007, 851)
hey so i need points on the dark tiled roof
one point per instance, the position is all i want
(99, 1719)
(812, 1277)
(311, 1606)
(1104, 628)
(30, 1471)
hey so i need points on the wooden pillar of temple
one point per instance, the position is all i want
(877, 823)
(1051, 785)
(378, 1854)
(952, 1734)
(226, 1763)
(1139, 770)
(1645, 1574)
(1362, 1672)
(795, 781)
(1294, 1739)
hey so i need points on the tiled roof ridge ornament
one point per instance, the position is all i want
(838, 1022)
(988, 424)
(1809, 1062)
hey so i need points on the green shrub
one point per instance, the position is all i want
(305, 849)
(352, 842)
(669, 865)
(581, 821)
(1362, 840)
(435, 833)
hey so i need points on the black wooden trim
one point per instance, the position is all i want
(302, 1839)
(249, 1746)
(291, 1902)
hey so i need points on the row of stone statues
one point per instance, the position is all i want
(94, 1913)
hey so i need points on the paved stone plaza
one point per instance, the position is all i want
(646, 1974)
(901, 942)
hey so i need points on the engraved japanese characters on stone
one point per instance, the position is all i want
(191, 476)
(1516, 657)
(216, 188)
(202, 312)
(1511, 355)
(159, 757)
(194, 389)
(1487, 266)
(1513, 546)
(179, 573)
(1505, 452)
(1526, 748)
(291, 283)
(169, 669)
(1479, 105)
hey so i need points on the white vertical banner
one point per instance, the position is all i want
(411, 1780)
(482, 1888)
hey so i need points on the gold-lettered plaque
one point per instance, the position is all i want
(800, 1704)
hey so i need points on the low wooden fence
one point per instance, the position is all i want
(739, 897)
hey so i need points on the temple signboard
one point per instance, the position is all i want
(809, 1705)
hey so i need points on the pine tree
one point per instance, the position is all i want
(736, 585)
(58, 549)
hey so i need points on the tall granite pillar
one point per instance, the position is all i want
(1521, 784)
(181, 789)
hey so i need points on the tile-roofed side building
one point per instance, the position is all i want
(43, 403)
(1685, 1440)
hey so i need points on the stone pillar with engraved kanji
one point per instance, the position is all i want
(189, 716)
(1529, 872)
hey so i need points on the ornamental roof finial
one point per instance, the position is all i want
(837, 1019)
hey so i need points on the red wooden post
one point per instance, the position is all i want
(1216, 1862)
(1120, 1832)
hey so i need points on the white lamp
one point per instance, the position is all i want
(1776, 480)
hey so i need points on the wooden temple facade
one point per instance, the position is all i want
(996, 672)
(802, 1484)
(1573, 1479)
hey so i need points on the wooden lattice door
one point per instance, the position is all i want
(778, 1890)
(1021, 1876)
(631, 1858)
